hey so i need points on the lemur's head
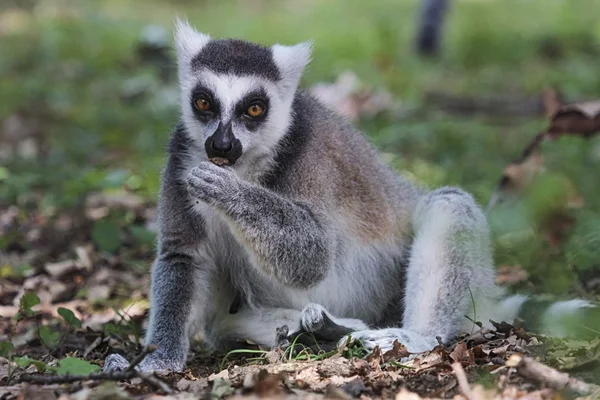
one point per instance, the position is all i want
(236, 96)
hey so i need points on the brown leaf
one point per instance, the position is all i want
(438, 355)
(519, 175)
(479, 353)
(375, 358)
(578, 118)
(460, 352)
(398, 351)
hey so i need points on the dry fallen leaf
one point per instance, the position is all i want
(510, 274)
(578, 119)
(460, 353)
(397, 352)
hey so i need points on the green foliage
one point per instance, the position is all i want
(582, 248)
(354, 348)
(75, 366)
(262, 354)
(25, 361)
(106, 235)
(69, 317)
(49, 336)
(6, 348)
(28, 300)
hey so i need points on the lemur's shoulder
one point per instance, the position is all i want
(325, 158)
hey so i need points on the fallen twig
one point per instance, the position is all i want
(463, 382)
(102, 376)
(530, 368)
(495, 106)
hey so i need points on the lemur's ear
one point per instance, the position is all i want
(291, 61)
(188, 43)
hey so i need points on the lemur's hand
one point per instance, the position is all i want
(214, 185)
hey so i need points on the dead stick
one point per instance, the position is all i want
(102, 376)
(154, 381)
(530, 368)
(463, 382)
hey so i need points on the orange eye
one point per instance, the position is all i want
(255, 110)
(203, 104)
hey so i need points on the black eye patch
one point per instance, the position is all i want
(255, 98)
(202, 94)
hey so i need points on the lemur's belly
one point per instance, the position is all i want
(363, 291)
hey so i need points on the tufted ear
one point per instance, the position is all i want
(188, 43)
(291, 61)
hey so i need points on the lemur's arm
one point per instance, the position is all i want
(176, 278)
(290, 239)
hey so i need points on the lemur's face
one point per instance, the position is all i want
(236, 96)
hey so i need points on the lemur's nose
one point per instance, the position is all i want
(222, 146)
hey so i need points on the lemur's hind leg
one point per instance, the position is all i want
(262, 325)
(449, 271)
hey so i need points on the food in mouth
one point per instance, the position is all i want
(220, 161)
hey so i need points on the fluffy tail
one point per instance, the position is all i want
(569, 318)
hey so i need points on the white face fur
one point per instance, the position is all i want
(231, 94)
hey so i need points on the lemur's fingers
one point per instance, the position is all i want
(316, 324)
(281, 337)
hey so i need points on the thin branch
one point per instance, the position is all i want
(154, 381)
(463, 382)
(530, 368)
(102, 376)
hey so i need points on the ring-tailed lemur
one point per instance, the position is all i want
(301, 223)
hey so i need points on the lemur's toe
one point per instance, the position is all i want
(115, 362)
(313, 317)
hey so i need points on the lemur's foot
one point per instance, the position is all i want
(151, 363)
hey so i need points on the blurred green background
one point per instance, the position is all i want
(88, 95)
